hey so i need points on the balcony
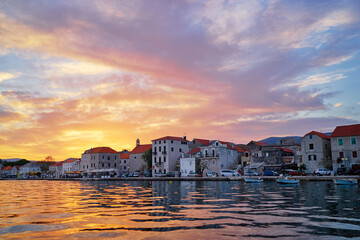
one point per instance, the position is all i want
(209, 156)
(159, 164)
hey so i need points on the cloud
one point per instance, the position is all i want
(118, 70)
(5, 76)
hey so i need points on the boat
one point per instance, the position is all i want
(345, 181)
(287, 181)
(253, 180)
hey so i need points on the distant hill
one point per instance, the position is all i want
(275, 140)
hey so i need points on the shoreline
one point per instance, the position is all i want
(241, 178)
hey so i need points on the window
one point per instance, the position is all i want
(159, 159)
(164, 170)
(164, 141)
(103, 157)
(164, 159)
(159, 148)
(108, 158)
(341, 154)
(172, 149)
(124, 161)
(172, 141)
(213, 162)
(340, 141)
(246, 154)
(354, 154)
(310, 136)
(190, 163)
(115, 157)
(311, 146)
(103, 165)
(326, 146)
(124, 168)
(114, 164)
(108, 164)
(353, 141)
(135, 157)
(312, 157)
(266, 154)
(180, 150)
(120, 161)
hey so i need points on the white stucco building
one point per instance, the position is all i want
(167, 152)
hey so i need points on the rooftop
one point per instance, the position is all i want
(347, 130)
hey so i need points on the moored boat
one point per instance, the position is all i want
(253, 180)
(287, 181)
(345, 181)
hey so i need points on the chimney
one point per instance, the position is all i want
(184, 137)
(137, 142)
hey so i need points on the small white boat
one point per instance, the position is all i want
(287, 181)
(253, 180)
(345, 181)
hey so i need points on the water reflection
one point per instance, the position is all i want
(175, 210)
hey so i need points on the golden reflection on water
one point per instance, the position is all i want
(33, 209)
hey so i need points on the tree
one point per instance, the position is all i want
(302, 167)
(147, 157)
(19, 162)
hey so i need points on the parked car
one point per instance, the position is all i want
(160, 175)
(270, 173)
(136, 174)
(292, 172)
(170, 174)
(251, 173)
(211, 174)
(193, 174)
(322, 171)
(130, 175)
(229, 173)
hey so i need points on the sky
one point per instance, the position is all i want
(81, 74)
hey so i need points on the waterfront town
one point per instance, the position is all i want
(335, 153)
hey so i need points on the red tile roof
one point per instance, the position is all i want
(204, 142)
(125, 156)
(288, 150)
(318, 134)
(260, 143)
(345, 131)
(141, 148)
(100, 150)
(170, 138)
(195, 150)
(57, 164)
(239, 149)
(70, 160)
(7, 168)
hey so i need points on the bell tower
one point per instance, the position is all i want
(137, 142)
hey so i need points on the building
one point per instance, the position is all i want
(316, 151)
(30, 169)
(190, 162)
(345, 147)
(100, 158)
(55, 170)
(166, 153)
(6, 171)
(136, 161)
(218, 156)
(71, 166)
(196, 142)
(124, 162)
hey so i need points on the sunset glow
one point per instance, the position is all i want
(76, 75)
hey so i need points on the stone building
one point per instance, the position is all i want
(136, 162)
(316, 151)
(166, 153)
(104, 158)
(345, 147)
